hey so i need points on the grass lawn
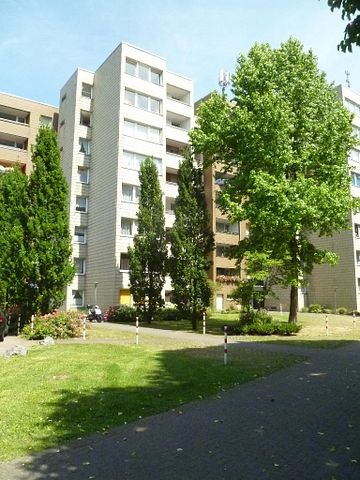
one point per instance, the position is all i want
(313, 333)
(67, 391)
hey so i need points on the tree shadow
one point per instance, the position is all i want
(76, 414)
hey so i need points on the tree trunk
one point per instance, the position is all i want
(293, 304)
(193, 320)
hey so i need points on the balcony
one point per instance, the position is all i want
(124, 279)
(12, 115)
(177, 127)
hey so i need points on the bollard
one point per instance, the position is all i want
(354, 320)
(280, 308)
(84, 327)
(225, 345)
(326, 325)
(204, 323)
(137, 330)
(32, 323)
(19, 325)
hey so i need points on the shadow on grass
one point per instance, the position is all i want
(76, 414)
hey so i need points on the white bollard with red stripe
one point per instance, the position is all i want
(354, 319)
(84, 327)
(137, 330)
(204, 323)
(32, 324)
(225, 345)
(326, 325)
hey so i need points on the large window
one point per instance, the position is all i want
(132, 160)
(222, 226)
(80, 234)
(352, 106)
(79, 265)
(77, 298)
(145, 72)
(140, 100)
(83, 174)
(86, 90)
(128, 227)
(85, 118)
(142, 131)
(221, 250)
(130, 193)
(124, 261)
(84, 146)
(81, 204)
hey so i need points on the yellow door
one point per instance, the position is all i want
(125, 296)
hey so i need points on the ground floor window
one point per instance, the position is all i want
(77, 298)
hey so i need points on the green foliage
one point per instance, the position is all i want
(169, 314)
(148, 256)
(120, 314)
(315, 308)
(275, 328)
(14, 260)
(285, 139)
(255, 316)
(350, 11)
(191, 242)
(342, 311)
(58, 324)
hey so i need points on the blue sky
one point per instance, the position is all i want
(43, 41)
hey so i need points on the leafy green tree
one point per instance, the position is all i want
(13, 255)
(147, 258)
(285, 138)
(350, 10)
(191, 242)
(47, 237)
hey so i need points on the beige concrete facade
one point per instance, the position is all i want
(130, 108)
(20, 120)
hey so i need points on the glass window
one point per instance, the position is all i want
(83, 175)
(77, 298)
(130, 67)
(154, 135)
(124, 261)
(81, 204)
(85, 118)
(129, 128)
(141, 131)
(355, 179)
(357, 230)
(86, 90)
(126, 226)
(84, 144)
(79, 265)
(143, 101)
(127, 192)
(46, 121)
(155, 105)
(156, 77)
(143, 71)
(129, 97)
(80, 234)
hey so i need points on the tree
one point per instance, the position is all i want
(352, 29)
(191, 242)
(285, 138)
(148, 256)
(47, 237)
(13, 255)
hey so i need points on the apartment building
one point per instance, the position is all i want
(20, 120)
(130, 108)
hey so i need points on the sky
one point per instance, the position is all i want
(42, 42)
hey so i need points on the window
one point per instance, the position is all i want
(226, 227)
(85, 118)
(63, 98)
(352, 106)
(358, 257)
(20, 144)
(169, 296)
(170, 205)
(140, 100)
(86, 90)
(221, 250)
(128, 227)
(124, 261)
(84, 144)
(141, 131)
(130, 193)
(80, 234)
(81, 204)
(132, 160)
(357, 230)
(14, 117)
(79, 265)
(83, 174)
(356, 131)
(145, 72)
(77, 298)
(355, 179)
(46, 121)
(171, 177)
(358, 282)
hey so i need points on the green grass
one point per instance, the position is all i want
(67, 391)
(313, 333)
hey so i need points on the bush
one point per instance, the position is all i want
(342, 311)
(327, 311)
(315, 308)
(305, 309)
(255, 316)
(58, 324)
(169, 313)
(120, 314)
(275, 328)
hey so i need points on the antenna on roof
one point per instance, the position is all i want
(347, 73)
(224, 80)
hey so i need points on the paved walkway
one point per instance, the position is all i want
(302, 423)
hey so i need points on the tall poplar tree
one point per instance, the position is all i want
(13, 256)
(47, 237)
(191, 242)
(285, 138)
(147, 257)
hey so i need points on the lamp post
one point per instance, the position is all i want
(95, 292)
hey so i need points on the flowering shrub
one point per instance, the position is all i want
(120, 313)
(58, 324)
